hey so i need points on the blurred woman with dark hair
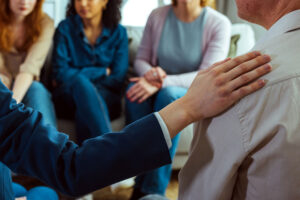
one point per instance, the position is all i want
(25, 39)
(178, 41)
(90, 62)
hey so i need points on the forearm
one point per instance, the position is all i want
(115, 80)
(21, 86)
(63, 74)
(141, 67)
(176, 116)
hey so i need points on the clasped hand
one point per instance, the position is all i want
(147, 85)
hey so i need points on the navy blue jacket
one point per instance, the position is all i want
(30, 147)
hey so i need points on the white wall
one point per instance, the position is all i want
(56, 9)
(136, 12)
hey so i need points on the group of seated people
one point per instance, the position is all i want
(90, 63)
(89, 68)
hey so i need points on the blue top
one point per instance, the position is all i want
(73, 54)
(31, 147)
(180, 46)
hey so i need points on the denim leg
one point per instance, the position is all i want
(41, 192)
(112, 100)
(6, 190)
(19, 190)
(135, 111)
(38, 98)
(91, 114)
(156, 181)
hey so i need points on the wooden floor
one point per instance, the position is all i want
(106, 193)
(124, 194)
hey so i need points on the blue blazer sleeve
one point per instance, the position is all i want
(29, 146)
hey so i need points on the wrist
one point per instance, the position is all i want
(188, 108)
(17, 98)
(176, 117)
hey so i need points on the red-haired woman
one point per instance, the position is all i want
(25, 38)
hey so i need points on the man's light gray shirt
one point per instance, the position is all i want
(252, 151)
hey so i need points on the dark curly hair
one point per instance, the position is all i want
(111, 15)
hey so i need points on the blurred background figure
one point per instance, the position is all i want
(90, 62)
(179, 40)
(25, 38)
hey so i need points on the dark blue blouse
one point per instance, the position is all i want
(74, 55)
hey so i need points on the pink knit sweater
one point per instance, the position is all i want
(215, 45)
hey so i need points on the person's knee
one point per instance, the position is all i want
(35, 85)
(167, 95)
(38, 88)
(80, 79)
(19, 190)
(170, 93)
(81, 82)
(42, 192)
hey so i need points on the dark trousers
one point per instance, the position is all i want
(91, 106)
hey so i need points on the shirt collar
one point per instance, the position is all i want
(79, 24)
(288, 22)
(105, 31)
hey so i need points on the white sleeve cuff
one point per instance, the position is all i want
(164, 129)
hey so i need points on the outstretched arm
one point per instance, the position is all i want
(29, 146)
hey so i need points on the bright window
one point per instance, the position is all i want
(136, 12)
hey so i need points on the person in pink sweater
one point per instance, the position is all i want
(178, 41)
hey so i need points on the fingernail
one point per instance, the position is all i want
(266, 57)
(262, 82)
(268, 67)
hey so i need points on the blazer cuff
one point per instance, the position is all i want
(164, 129)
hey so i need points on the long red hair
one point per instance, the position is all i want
(33, 24)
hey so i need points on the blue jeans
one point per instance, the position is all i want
(35, 193)
(91, 105)
(10, 190)
(155, 181)
(38, 98)
(6, 190)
